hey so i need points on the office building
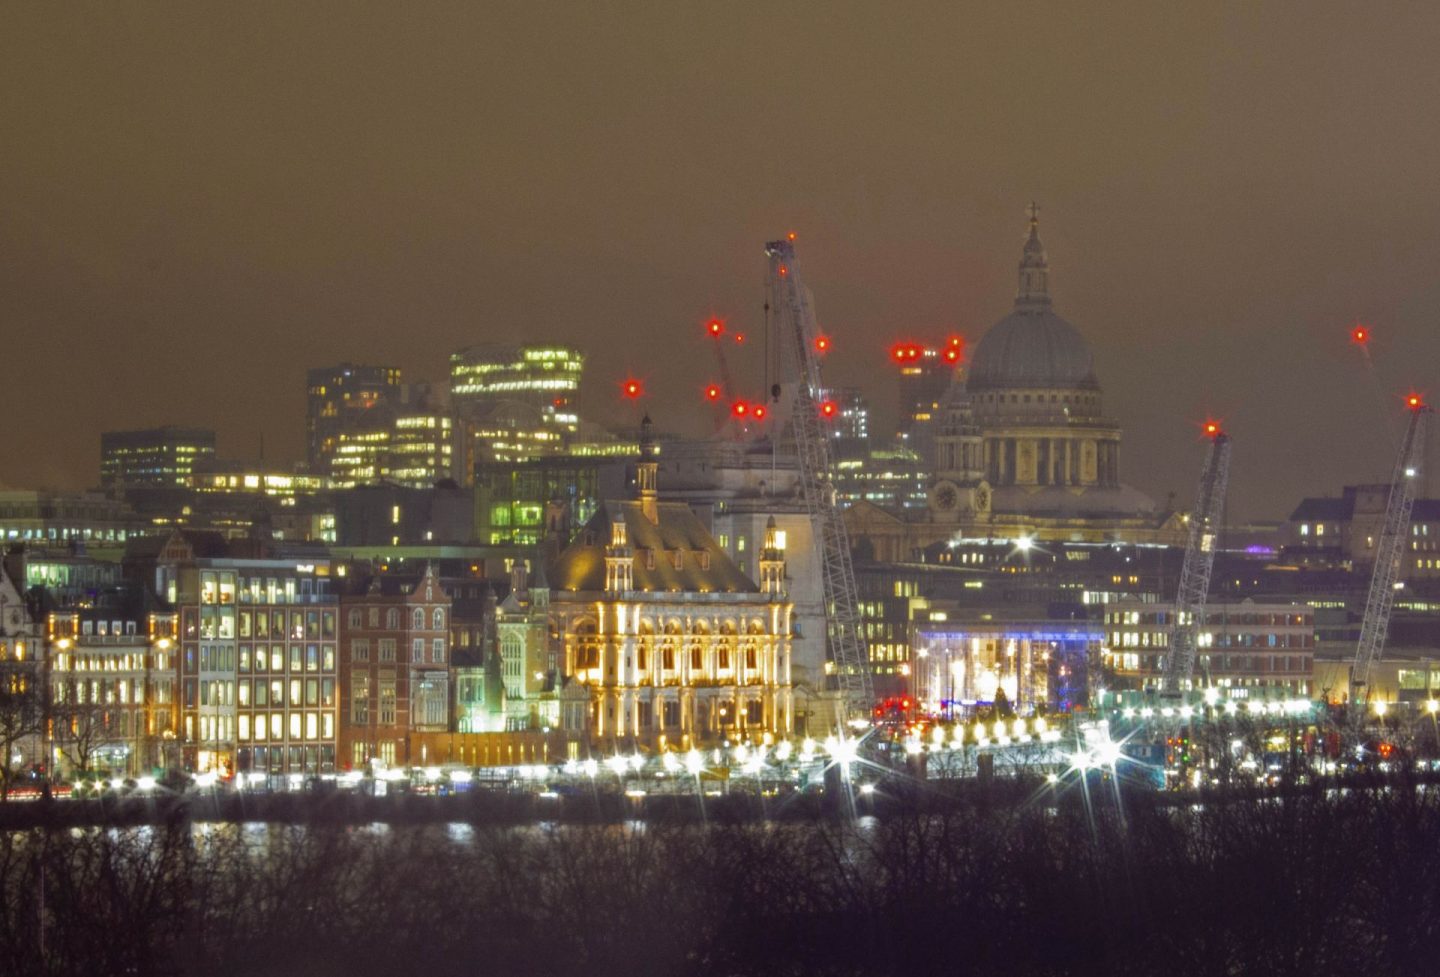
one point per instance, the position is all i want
(544, 377)
(157, 457)
(405, 446)
(338, 399)
(1245, 647)
(257, 650)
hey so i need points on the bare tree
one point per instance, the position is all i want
(21, 718)
(80, 730)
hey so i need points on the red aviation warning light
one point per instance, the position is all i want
(739, 408)
(759, 412)
(632, 389)
(739, 337)
(828, 409)
(904, 353)
(1212, 429)
(712, 392)
(1360, 334)
(822, 344)
(715, 328)
(1414, 402)
(954, 350)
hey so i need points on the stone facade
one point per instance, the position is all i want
(663, 641)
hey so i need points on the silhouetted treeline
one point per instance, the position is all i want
(1329, 881)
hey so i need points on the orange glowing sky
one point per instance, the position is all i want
(198, 201)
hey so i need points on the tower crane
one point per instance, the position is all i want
(1194, 587)
(1390, 548)
(797, 334)
(715, 329)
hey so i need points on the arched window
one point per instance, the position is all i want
(417, 619)
(438, 619)
(587, 647)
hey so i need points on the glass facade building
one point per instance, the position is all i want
(159, 457)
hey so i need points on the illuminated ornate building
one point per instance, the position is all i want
(113, 684)
(1037, 402)
(671, 644)
(527, 658)
(1023, 449)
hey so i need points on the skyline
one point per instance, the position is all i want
(1223, 195)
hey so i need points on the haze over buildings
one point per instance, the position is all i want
(1225, 190)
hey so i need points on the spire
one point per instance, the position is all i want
(772, 561)
(645, 471)
(647, 439)
(1034, 293)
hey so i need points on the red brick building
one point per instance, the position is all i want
(394, 669)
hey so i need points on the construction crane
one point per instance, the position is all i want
(716, 394)
(1194, 587)
(801, 344)
(1390, 549)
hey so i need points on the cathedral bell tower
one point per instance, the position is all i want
(958, 487)
(772, 562)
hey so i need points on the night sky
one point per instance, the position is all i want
(197, 204)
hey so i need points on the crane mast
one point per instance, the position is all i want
(1194, 587)
(1390, 548)
(797, 333)
(716, 330)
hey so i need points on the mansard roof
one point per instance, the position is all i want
(703, 566)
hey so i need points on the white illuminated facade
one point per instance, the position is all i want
(666, 642)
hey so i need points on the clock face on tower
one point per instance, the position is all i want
(944, 497)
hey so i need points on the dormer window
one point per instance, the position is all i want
(677, 559)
